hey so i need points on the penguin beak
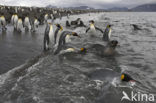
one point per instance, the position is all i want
(75, 34)
(61, 28)
(122, 76)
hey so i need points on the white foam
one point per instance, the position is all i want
(99, 83)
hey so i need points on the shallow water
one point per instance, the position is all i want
(88, 78)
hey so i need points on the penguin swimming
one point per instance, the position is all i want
(57, 33)
(63, 39)
(48, 36)
(126, 78)
(136, 27)
(19, 25)
(70, 53)
(107, 33)
(3, 22)
(93, 28)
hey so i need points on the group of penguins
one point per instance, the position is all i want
(57, 39)
(19, 24)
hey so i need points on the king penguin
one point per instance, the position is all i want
(57, 33)
(12, 19)
(19, 25)
(92, 29)
(35, 24)
(63, 40)
(27, 23)
(3, 22)
(48, 36)
(107, 33)
(15, 20)
(45, 18)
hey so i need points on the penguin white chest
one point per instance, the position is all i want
(110, 33)
(58, 36)
(15, 19)
(12, 19)
(36, 23)
(26, 21)
(2, 20)
(19, 24)
(68, 39)
(51, 33)
(92, 30)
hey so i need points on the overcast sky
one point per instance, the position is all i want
(66, 3)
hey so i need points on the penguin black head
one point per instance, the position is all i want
(113, 43)
(109, 25)
(91, 21)
(83, 50)
(59, 26)
(126, 78)
(75, 34)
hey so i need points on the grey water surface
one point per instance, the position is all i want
(30, 76)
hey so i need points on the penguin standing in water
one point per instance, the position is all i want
(19, 25)
(3, 22)
(63, 39)
(107, 33)
(51, 33)
(27, 23)
(60, 16)
(68, 15)
(45, 18)
(52, 18)
(15, 20)
(35, 24)
(48, 36)
(12, 19)
(92, 29)
(57, 33)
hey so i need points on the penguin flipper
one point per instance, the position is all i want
(87, 29)
(99, 29)
(105, 35)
